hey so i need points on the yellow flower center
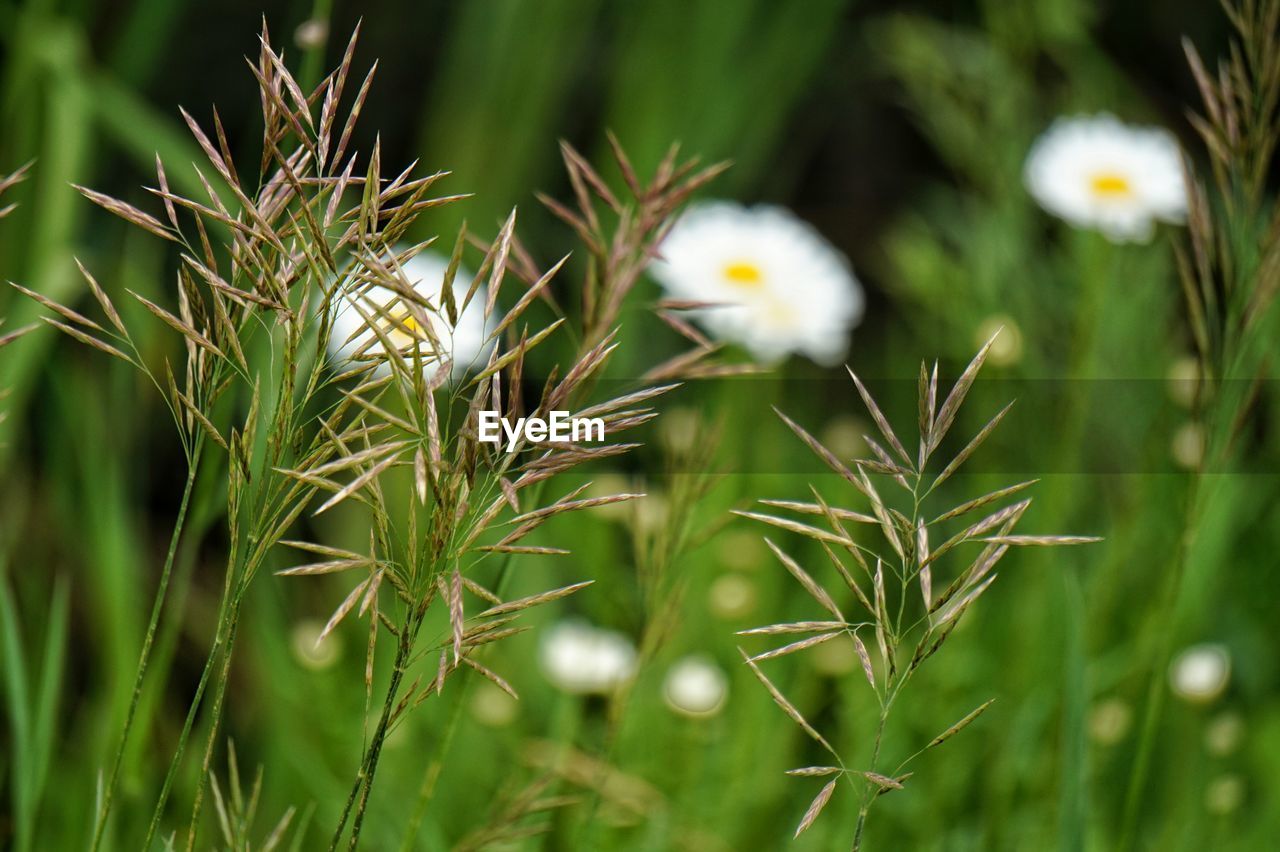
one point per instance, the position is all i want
(1110, 185)
(404, 331)
(745, 274)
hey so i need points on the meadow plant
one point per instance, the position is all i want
(237, 811)
(31, 700)
(909, 598)
(7, 337)
(330, 370)
(621, 231)
(1229, 270)
(268, 271)
(1229, 266)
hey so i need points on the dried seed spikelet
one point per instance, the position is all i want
(900, 617)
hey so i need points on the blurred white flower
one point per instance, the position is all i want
(583, 659)
(695, 686)
(464, 343)
(606, 485)
(1007, 348)
(1184, 380)
(651, 513)
(311, 34)
(1110, 720)
(492, 706)
(1200, 673)
(312, 651)
(845, 435)
(679, 429)
(834, 659)
(1098, 173)
(778, 286)
(732, 596)
(1224, 734)
(1188, 445)
(1224, 794)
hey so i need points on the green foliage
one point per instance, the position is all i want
(903, 137)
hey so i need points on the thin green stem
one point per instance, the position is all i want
(1063, 504)
(869, 795)
(892, 688)
(1159, 662)
(233, 621)
(144, 658)
(1074, 798)
(369, 766)
(187, 725)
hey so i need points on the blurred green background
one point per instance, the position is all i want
(899, 130)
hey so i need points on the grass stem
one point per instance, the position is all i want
(145, 656)
(369, 766)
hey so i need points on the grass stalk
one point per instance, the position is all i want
(233, 622)
(432, 775)
(910, 626)
(867, 795)
(172, 773)
(359, 796)
(144, 657)
(1158, 663)
(223, 642)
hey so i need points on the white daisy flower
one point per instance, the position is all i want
(696, 687)
(463, 344)
(1200, 673)
(779, 287)
(1098, 173)
(583, 659)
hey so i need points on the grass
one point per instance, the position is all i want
(162, 687)
(909, 626)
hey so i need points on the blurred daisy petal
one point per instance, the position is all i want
(1101, 174)
(1200, 673)
(696, 687)
(465, 341)
(582, 659)
(773, 283)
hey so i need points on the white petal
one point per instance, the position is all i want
(804, 297)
